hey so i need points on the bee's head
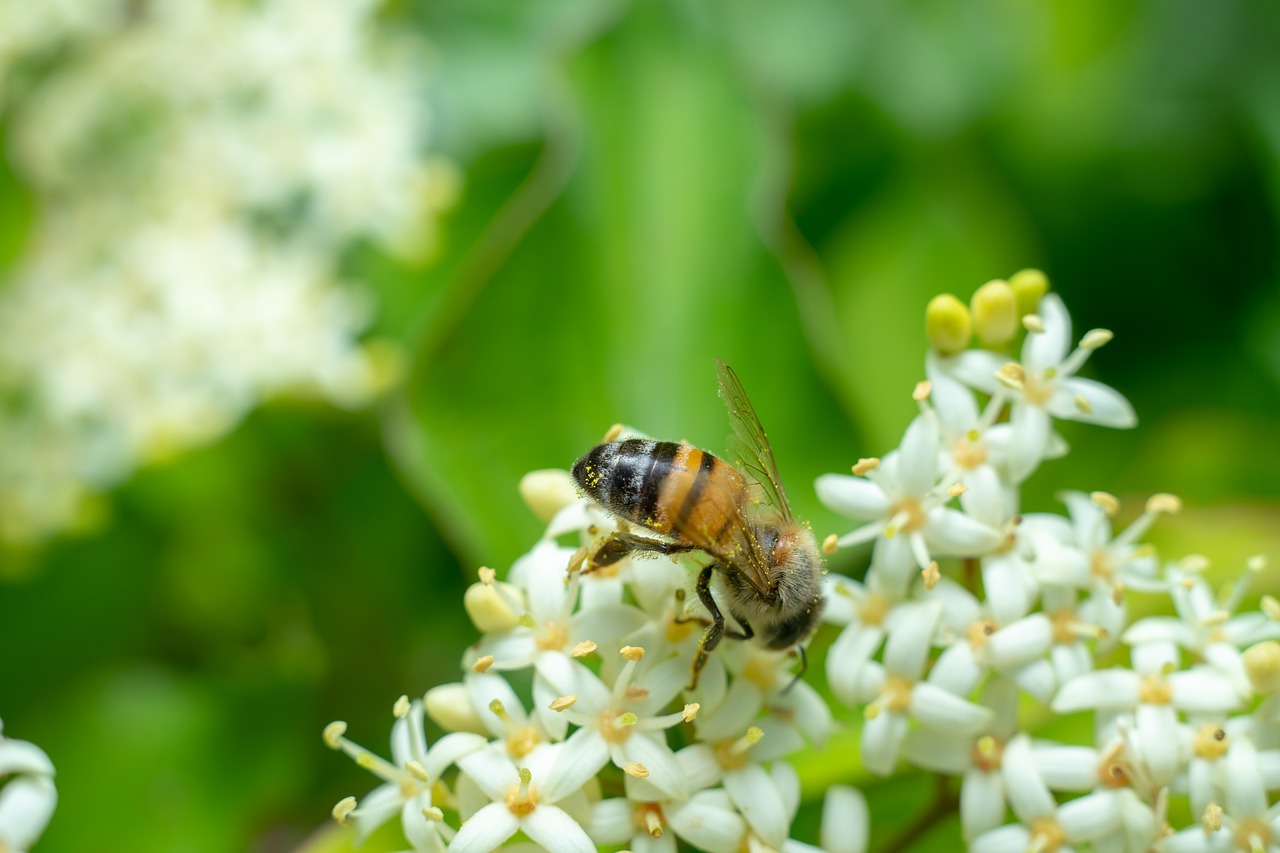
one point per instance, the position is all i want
(795, 628)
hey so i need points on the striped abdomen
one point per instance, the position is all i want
(670, 488)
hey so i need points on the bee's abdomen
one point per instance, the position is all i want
(661, 485)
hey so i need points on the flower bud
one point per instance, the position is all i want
(450, 706)
(489, 606)
(1262, 663)
(995, 313)
(1028, 286)
(547, 492)
(947, 324)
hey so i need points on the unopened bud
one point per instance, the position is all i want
(487, 605)
(1028, 287)
(548, 491)
(1262, 664)
(947, 324)
(995, 313)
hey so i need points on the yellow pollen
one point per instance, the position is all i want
(895, 695)
(830, 544)
(921, 392)
(1037, 391)
(1154, 690)
(979, 631)
(866, 466)
(1046, 834)
(522, 740)
(333, 734)
(614, 726)
(577, 561)
(636, 769)
(487, 575)
(482, 664)
(1164, 503)
(563, 703)
(873, 609)
(522, 800)
(433, 814)
(1108, 502)
(1253, 834)
(969, 452)
(987, 753)
(581, 650)
(1211, 820)
(632, 653)
(612, 434)
(1210, 742)
(343, 809)
(553, 637)
(401, 708)
(955, 490)
(690, 712)
(912, 511)
(931, 575)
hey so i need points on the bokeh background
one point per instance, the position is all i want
(468, 236)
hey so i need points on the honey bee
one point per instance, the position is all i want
(767, 563)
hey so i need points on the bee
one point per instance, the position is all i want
(767, 564)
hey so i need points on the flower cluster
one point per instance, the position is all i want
(197, 169)
(976, 618)
(27, 793)
(974, 624)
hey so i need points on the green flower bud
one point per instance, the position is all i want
(947, 324)
(995, 313)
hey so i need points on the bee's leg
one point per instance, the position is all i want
(804, 666)
(620, 545)
(683, 617)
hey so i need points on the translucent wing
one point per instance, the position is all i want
(738, 546)
(755, 454)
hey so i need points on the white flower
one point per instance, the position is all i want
(904, 499)
(900, 695)
(524, 798)
(1044, 386)
(28, 798)
(407, 778)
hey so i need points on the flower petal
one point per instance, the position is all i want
(757, 799)
(846, 821)
(1106, 406)
(705, 823)
(553, 829)
(918, 457)
(486, 830)
(976, 368)
(1106, 688)
(951, 533)
(851, 496)
(933, 706)
(981, 802)
(1048, 348)
(580, 759)
(1023, 785)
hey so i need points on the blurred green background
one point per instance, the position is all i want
(646, 186)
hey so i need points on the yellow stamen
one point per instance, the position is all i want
(632, 653)
(1033, 323)
(636, 769)
(921, 392)
(690, 712)
(1108, 502)
(612, 434)
(1164, 503)
(1096, 338)
(866, 465)
(581, 650)
(333, 734)
(401, 708)
(482, 664)
(343, 809)
(830, 544)
(563, 702)
(931, 575)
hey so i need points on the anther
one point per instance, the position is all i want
(830, 544)
(563, 703)
(333, 734)
(921, 392)
(866, 466)
(1194, 563)
(487, 575)
(632, 653)
(626, 720)
(612, 434)
(653, 824)
(433, 814)
(482, 664)
(1096, 338)
(931, 575)
(691, 711)
(1033, 323)
(955, 490)
(1012, 375)
(583, 649)
(1082, 404)
(417, 771)
(1270, 607)
(577, 561)
(1166, 503)
(343, 809)
(636, 769)
(401, 708)
(499, 710)
(1212, 818)
(1108, 502)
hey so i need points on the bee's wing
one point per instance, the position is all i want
(739, 547)
(754, 453)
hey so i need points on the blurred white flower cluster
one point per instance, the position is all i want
(27, 793)
(196, 170)
(975, 625)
